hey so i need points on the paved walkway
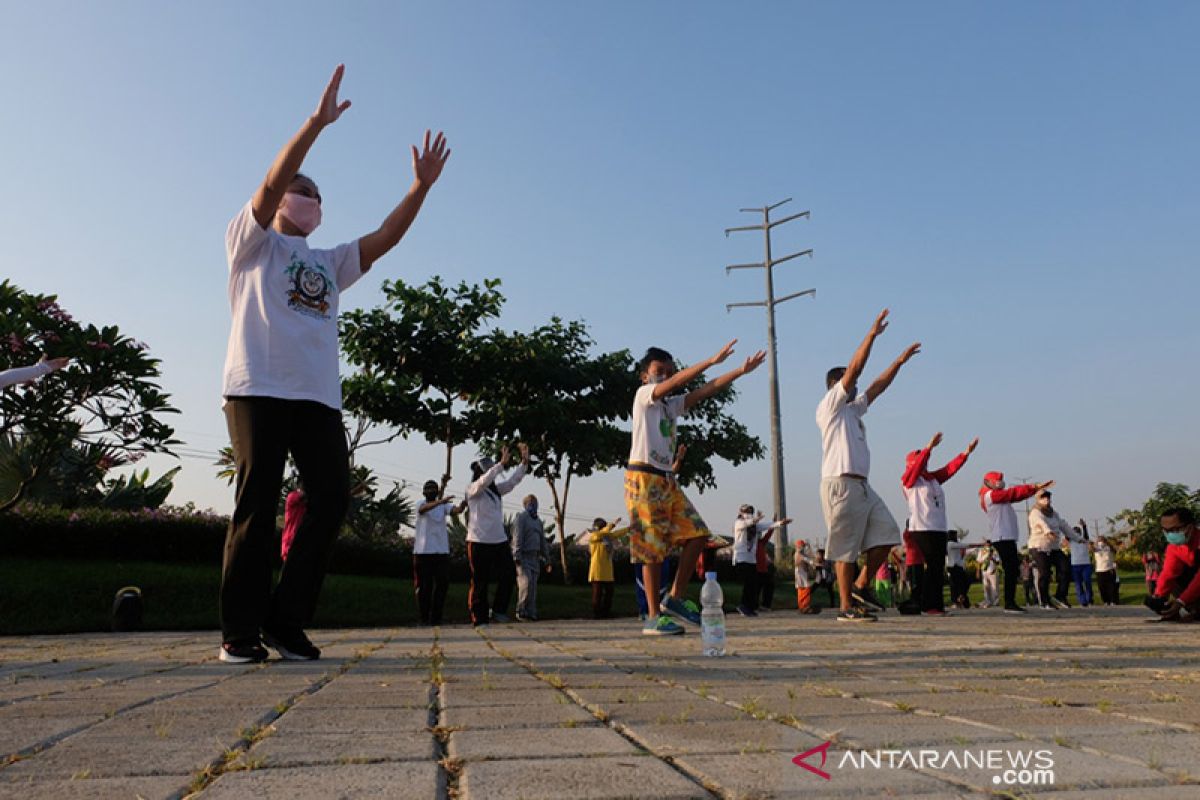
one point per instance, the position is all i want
(912, 707)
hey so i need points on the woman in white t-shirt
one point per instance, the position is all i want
(281, 387)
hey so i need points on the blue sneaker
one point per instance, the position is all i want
(662, 625)
(683, 609)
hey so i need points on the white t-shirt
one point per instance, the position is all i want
(1081, 554)
(843, 435)
(955, 552)
(746, 533)
(485, 510)
(1001, 519)
(926, 505)
(432, 535)
(1105, 561)
(653, 441)
(284, 299)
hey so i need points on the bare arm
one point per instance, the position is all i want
(685, 376)
(287, 163)
(885, 380)
(717, 384)
(858, 361)
(427, 167)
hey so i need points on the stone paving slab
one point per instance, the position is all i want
(587, 709)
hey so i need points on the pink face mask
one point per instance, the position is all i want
(303, 212)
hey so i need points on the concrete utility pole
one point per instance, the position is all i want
(769, 303)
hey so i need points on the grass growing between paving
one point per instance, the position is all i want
(52, 596)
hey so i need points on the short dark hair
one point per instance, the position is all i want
(833, 376)
(653, 354)
(599, 522)
(1185, 514)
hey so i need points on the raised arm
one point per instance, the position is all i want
(685, 376)
(508, 484)
(717, 384)
(888, 375)
(913, 471)
(268, 197)
(858, 361)
(947, 472)
(11, 377)
(427, 168)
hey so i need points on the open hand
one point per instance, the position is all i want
(427, 164)
(971, 447)
(1045, 485)
(55, 364)
(723, 353)
(505, 456)
(328, 110)
(754, 362)
(935, 441)
(524, 448)
(912, 350)
(880, 324)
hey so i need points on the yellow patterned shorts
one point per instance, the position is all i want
(660, 517)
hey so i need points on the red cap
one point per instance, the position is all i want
(994, 477)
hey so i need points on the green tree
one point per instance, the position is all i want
(61, 434)
(1142, 525)
(423, 360)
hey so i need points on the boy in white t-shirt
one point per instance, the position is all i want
(431, 551)
(660, 517)
(281, 387)
(858, 519)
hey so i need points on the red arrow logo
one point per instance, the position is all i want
(823, 749)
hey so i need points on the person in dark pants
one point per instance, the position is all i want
(282, 391)
(764, 564)
(996, 499)
(960, 582)
(825, 576)
(748, 529)
(1047, 533)
(431, 552)
(488, 547)
(927, 522)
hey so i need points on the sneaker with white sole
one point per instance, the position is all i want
(682, 609)
(662, 625)
(243, 651)
(866, 598)
(291, 644)
(856, 615)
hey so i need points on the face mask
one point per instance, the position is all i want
(655, 379)
(532, 509)
(431, 496)
(303, 212)
(1176, 537)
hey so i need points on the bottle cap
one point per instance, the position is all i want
(710, 576)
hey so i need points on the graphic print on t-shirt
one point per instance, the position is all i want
(310, 288)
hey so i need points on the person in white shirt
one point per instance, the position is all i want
(1047, 534)
(660, 516)
(11, 377)
(281, 387)
(431, 552)
(858, 519)
(488, 548)
(1106, 568)
(1081, 564)
(996, 499)
(927, 520)
(748, 530)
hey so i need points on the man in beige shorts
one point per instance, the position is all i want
(858, 519)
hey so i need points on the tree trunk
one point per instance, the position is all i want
(560, 516)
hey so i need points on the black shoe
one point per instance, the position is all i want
(291, 644)
(1014, 610)
(867, 599)
(243, 651)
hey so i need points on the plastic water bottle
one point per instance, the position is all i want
(712, 616)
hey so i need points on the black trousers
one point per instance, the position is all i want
(431, 579)
(1107, 582)
(748, 575)
(932, 545)
(1043, 563)
(263, 430)
(1062, 575)
(959, 583)
(602, 599)
(488, 562)
(1010, 561)
(766, 586)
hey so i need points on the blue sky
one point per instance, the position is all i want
(1015, 181)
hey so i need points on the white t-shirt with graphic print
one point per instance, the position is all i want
(284, 299)
(654, 428)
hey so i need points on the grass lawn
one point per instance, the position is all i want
(60, 596)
